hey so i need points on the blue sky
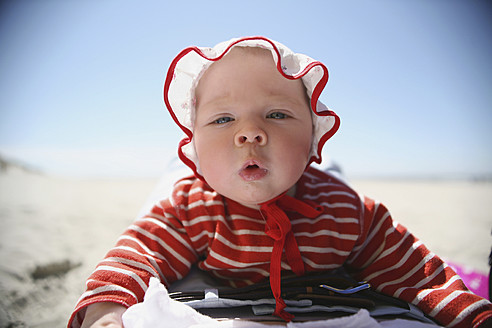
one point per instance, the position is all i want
(81, 81)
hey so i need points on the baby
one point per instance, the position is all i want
(255, 209)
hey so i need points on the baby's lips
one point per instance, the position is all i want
(253, 173)
(252, 163)
(252, 170)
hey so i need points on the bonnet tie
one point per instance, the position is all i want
(278, 227)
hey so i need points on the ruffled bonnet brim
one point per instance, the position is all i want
(190, 64)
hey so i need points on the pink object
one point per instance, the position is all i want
(476, 281)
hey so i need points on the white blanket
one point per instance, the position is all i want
(159, 310)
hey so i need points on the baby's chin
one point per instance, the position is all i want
(251, 202)
(256, 201)
(253, 194)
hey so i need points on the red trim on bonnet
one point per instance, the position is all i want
(167, 83)
(314, 97)
(185, 159)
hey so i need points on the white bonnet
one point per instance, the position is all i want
(189, 65)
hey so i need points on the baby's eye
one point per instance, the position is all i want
(222, 120)
(277, 115)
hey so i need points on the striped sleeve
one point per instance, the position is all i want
(398, 264)
(156, 245)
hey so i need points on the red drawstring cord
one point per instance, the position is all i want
(278, 228)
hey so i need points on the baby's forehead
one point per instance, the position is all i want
(248, 50)
(239, 53)
(256, 57)
(251, 68)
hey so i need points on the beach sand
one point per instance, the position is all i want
(55, 230)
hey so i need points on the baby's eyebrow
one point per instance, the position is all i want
(218, 101)
(288, 100)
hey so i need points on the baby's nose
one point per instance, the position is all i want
(250, 134)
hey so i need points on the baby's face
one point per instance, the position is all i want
(253, 127)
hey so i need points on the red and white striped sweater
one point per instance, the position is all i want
(229, 240)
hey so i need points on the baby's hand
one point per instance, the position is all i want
(104, 314)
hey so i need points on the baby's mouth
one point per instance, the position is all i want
(252, 171)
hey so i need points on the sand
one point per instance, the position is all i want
(55, 230)
(452, 218)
